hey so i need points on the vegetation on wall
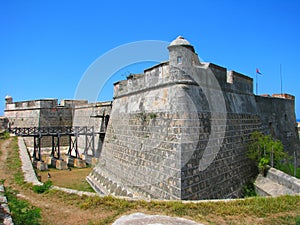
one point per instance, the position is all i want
(265, 150)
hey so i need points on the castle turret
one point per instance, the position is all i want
(8, 99)
(182, 54)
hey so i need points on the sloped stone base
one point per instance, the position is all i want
(102, 184)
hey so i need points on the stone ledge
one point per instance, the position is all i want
(5, 214)
(267, 187)
(284, 179)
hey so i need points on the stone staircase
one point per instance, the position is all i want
(277, 183)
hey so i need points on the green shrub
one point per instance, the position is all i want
(249, 190)
(262, 148)
(152, 115)
(42, 188)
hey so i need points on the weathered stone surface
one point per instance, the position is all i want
(41, 165)
(144, 219)
(180, 131)
(75, 162)
(61, 164)
(5, 215)
(277, 183)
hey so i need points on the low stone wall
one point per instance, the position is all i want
(5, 215)
(284, 179)
(277, 183)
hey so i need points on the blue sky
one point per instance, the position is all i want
(46, 46)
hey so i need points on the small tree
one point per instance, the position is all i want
(263, 148)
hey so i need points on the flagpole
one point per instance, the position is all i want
(256, 84)
(281, 80)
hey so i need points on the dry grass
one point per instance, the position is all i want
(74, 179)
(60, 208)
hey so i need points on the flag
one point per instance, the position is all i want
(258, 72)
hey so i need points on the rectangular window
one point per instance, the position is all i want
(179, 60)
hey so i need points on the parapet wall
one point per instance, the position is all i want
(33, 104)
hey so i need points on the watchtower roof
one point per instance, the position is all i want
(181, 41)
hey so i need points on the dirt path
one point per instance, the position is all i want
(4, 147)
(53, 209)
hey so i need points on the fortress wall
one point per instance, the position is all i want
(23, 117)
(55, 117)
(164, 131)
(229, 168)
(153, 77)
(33, 104)
(72, 103)
(242, 83)
(140, 153)
(35, 113)
(278, 119)
(184, 136)
(92, 115)
(27, 113)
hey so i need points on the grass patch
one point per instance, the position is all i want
(74, 179)
(255, 210)
(42, 188)
(297, 220)
(21, 211)
(4, 135)
(280, 210)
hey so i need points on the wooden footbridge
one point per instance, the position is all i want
(56, 133)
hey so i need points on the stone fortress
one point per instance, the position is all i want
(178, 131)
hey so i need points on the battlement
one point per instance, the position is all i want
(42, 104)
(32, 104)
(285, 96)
(181, 68)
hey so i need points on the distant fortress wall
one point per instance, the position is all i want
(277, 114)
(49, 113)
(38, 113)
(94, 115)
